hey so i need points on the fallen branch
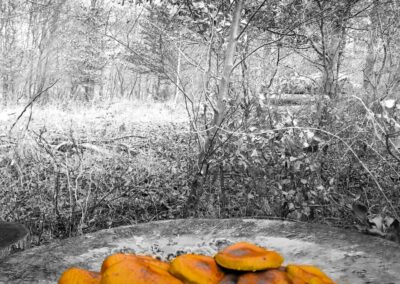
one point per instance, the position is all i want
(115, 139)
(68, 146)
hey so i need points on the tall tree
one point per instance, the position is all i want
(324, 28)
(220, 98)
(10, 48)
(382, 63)
(87, 46)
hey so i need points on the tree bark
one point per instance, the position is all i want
(219, 110)
(221, 96)
(369, 82)
(333, 38)
(178, 74)
(331, 61)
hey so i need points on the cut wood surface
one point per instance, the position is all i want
(346, 256)
(11, 234)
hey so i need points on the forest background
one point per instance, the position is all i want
(115, 112)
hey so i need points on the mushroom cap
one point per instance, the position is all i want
(114, 259)
(75, 275)
(245, 256)
(138, 272)
(273, 276)
(196, 269)
(308, 274)
(118, 257)
(154, 262)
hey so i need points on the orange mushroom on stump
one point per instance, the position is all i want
(75, 275)
(308, 274)
(196, 269)
(119, 257)
(272, 276)
(229, 279)
(245, 256)
(138, 272)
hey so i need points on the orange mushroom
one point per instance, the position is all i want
(154, 261)
(138, 272)
(118, 257)
(115, 258)
(196, 269)
(229, 279)
(75, 275)
(272, 276)
(308, 274)
(244, 256)
(259, 265)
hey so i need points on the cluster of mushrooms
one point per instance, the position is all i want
(240, 263)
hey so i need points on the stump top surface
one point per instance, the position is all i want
(347, 256)
(11, 233)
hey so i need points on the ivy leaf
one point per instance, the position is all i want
(377, 222)
(390, 103)
(297, 166)
(310, 134)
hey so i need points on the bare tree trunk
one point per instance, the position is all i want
(333, 38)
(149, 86)
(331, 61)
(245, 81)
(157, 90)
(221, 98)
(219, 110)
(369, 78)
(178, 73)
(8, 40)
(139, 87)
(89, 90)
(121, 82)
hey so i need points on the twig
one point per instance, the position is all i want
(251, 18)
(31, 102)
(388, 148)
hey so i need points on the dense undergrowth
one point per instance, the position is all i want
(306, 165)
(79, 173)
(67, 172)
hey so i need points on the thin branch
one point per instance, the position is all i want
(32, 101)
(250, 19)
(255, 50)
(388, 148)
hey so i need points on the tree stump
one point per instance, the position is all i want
(12, 236)
(346, 256)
